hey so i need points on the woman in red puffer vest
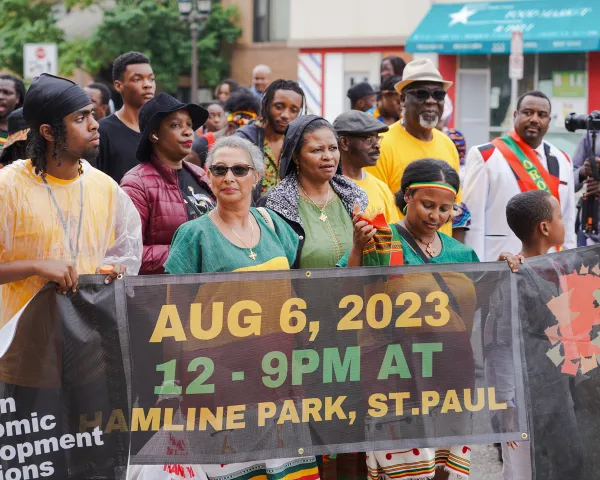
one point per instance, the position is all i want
(166, 190)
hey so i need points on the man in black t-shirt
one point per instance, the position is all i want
(133, 78)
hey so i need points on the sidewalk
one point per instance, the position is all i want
(485, 464)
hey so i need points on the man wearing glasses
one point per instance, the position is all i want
(359, 137)
(422, 92)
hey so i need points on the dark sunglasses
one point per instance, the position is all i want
(237, 170)
(423, 94)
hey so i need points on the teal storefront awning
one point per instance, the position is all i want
(549, 26)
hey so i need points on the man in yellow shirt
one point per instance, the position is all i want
(423, 91)
(359, 148)
(61, 217)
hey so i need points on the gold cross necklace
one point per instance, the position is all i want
(252, 254)
(322, 217)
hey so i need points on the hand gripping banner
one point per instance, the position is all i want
(225, 368)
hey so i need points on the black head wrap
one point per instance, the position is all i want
(293, 134)
(51, 97)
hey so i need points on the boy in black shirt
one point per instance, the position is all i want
(120, 133)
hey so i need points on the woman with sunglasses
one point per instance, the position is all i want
(166, 190)
(237, 237)
(234, 235)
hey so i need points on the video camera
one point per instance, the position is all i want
(590, 123)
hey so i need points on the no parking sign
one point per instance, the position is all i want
(39, 58)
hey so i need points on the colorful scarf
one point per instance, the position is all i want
(523, 160)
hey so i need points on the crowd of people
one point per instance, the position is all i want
(251, 182)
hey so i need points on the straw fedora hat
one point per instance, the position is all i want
(421, 71)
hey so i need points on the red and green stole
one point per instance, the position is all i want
(523, 160)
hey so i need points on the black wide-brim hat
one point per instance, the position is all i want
(153, 112)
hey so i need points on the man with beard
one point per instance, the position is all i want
(282, 102)
(359, 136)
(61, 217)
(423, 92)
(518, 162)
(120, 135)
(12, 93)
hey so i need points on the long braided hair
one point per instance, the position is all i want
(280, 84)
(37, 144)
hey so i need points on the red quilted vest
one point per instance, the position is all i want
(154, 190)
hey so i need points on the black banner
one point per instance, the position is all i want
(224, 368)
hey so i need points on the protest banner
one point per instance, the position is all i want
(180, 371)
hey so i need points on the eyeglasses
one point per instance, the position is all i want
(237, 170)
(423, 94)
(375, 138)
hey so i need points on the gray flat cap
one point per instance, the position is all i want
(357, 122)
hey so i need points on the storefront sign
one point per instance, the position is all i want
(569, 84)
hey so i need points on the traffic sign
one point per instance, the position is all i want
(516, 65)
(516, 43)
(39, 58)
(516, 60)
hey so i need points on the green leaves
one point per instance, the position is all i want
(152, 27)
(25, 21)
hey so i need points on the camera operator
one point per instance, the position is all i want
(584, 176)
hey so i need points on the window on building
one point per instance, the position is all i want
(271, 20)
(562, 77)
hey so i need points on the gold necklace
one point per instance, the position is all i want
(322, 217)
(252, 255)
(429, 250)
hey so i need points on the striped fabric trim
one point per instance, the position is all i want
(407, 471)
(438, 185)
(304, 470)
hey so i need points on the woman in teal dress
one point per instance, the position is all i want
(235, 237)
(427, 194)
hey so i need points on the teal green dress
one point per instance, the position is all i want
(452, 252)
(199, 247)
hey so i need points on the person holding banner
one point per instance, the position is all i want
(316, 200)
(236, 237)
(426, 197)
(166, 190)
(518, 162)
(61, 217)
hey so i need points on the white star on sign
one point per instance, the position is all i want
(462, 16)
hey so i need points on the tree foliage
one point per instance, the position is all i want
(154, 28)
(25, 21)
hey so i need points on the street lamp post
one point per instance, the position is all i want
(196, 13)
